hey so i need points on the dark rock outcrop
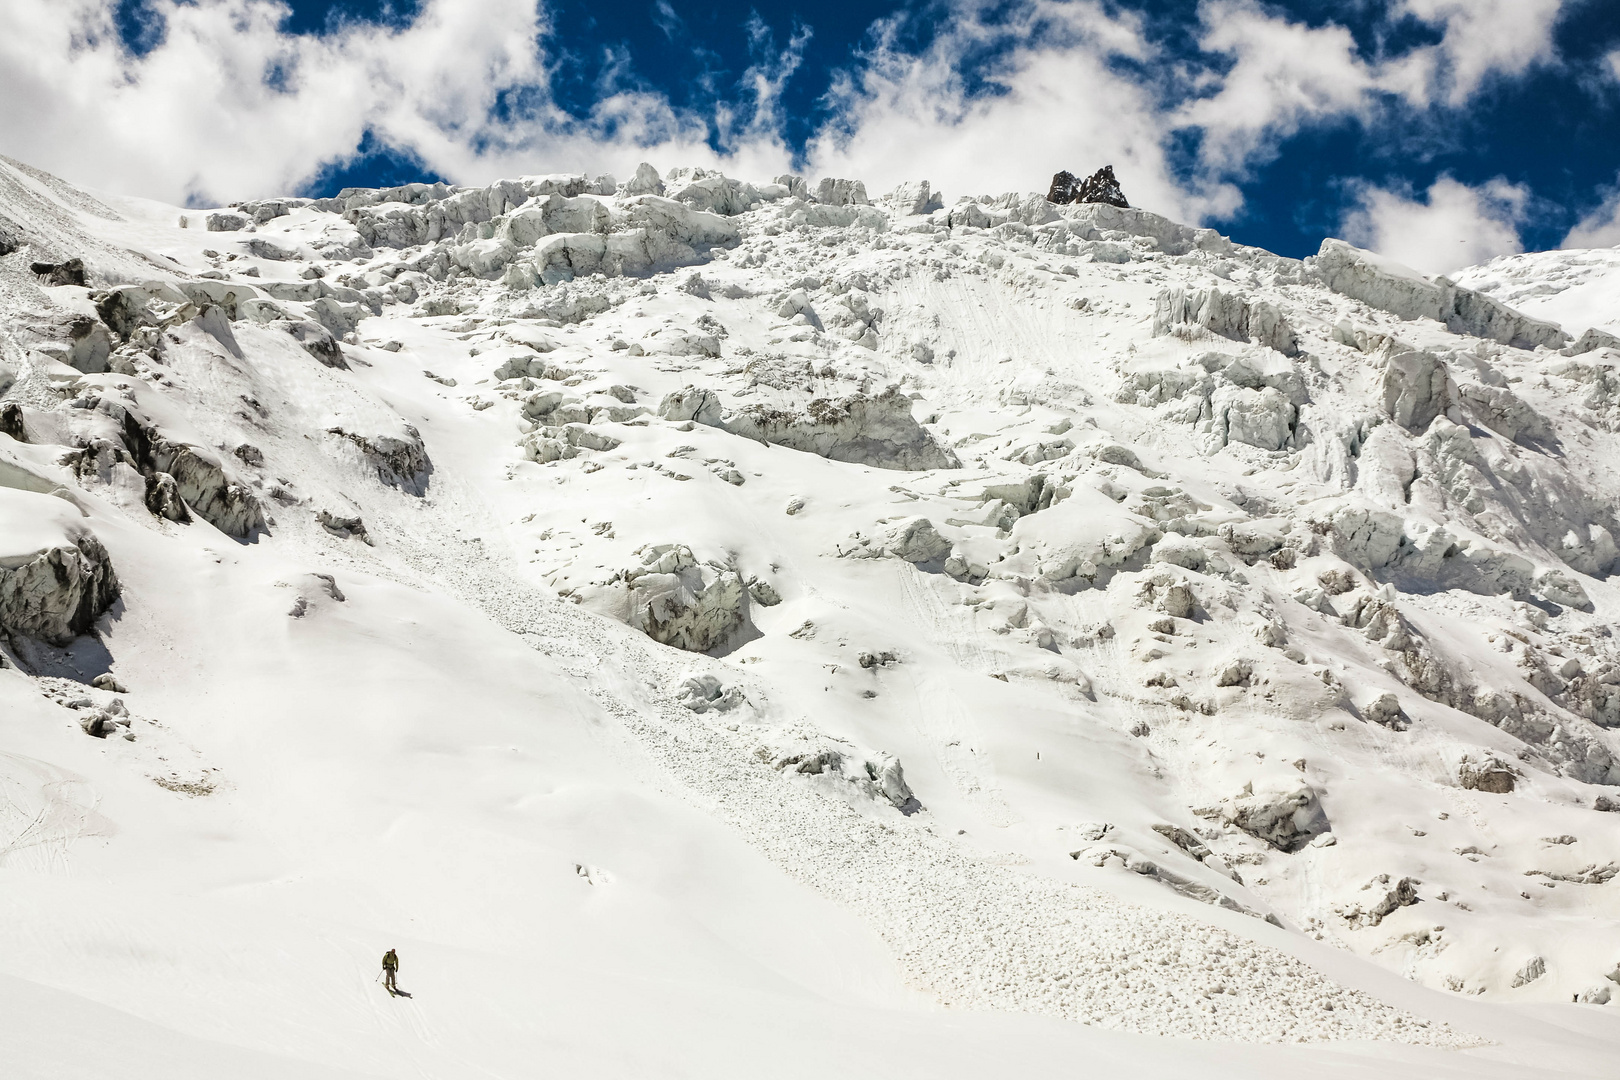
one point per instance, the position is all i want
(63, 273)
(198, 477)
(59, 593)
(878, 431)
(317, 341)
(1099, 187)
(11, 421)
(400, 460)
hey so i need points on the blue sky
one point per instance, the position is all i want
(1442, 131)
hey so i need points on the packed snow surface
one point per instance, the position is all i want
(688, 617)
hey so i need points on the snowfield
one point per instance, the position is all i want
(737, 629)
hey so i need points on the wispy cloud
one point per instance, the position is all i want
(1451, 226)
(1485, 38)
(1601, 226)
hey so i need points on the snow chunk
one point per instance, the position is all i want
(1287, 818)
(878, 431)
(705, 693)
(1417, 388)
(1389, 286)
(55, 577)
(1488, 774)
(1226, 314)
(675, 600)
(869, 776)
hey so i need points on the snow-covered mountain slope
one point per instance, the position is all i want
(683, 614)
(1580, 289)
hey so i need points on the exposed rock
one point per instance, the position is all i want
(1286, 819)
(675, 600)
(58, 581)
(401, 460)
(112, 721)
(1384, 709)
(343, 525)
(1489, 775)
(1099, 187)
(109, 682)
(163, 498)
(316, 340)
(831, 192)
(8, 241)
(1184, 840)
(1595, 995)
(645, 182)
(871, 776)
(691, 403)
(1592, 339)
(705, 693)
(70, 272)
(1417, 388)
(226, 221)
(1532, 969)
(1403, 292)
(878, 431)
(1225, 314)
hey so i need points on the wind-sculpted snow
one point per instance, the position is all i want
(1109, 618)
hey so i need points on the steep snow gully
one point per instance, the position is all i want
(689, 612)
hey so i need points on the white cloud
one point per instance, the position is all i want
(1452, 226)
(1600, 228)
(1001, 97)
(1284, 75)
(1058, 101)
(1486, 37)
(196, 116)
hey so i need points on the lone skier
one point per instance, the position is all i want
(390, 966)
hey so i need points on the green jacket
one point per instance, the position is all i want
(390, 961)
